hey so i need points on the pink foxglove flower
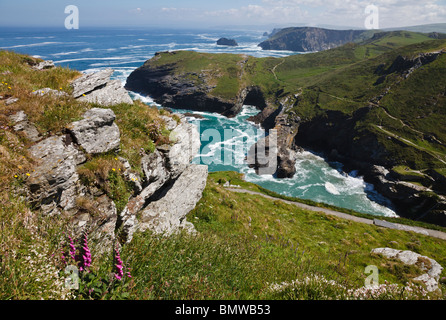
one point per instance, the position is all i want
(85, 254)
(118, 265)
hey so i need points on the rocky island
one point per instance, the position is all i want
(227, 42)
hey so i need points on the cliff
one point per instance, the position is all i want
(309, 39)
(357, 116)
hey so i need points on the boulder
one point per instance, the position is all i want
(48, 64)
(22, 124)
(54, 180)
(97, 132)
(11, 100)
(167, 212)
(89, 82)
(98, 88)
(112, 93)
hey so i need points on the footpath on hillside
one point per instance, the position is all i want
(377, 222)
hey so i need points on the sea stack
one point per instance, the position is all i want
(227, 42)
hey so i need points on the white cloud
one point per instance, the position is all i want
(392, 13)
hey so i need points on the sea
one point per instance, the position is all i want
(125, 49)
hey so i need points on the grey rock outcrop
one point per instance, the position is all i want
(47, 64)
(429, 279)
(97, 132)
(55, 179)
(54, 185)
(172, 186)
(167, 214)
(22, 124)
(98, 88)
(168, 189)
(46, 91)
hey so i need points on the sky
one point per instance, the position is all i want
(211, 13)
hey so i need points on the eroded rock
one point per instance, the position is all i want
(97, 132)
(112, 93)
(55, 179)
(22, 124)
(98, 88)
(47, 64)
(167, 214)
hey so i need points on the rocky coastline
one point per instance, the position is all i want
(335, 141)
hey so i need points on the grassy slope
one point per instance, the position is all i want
(246, 243)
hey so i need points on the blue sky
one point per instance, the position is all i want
(208, 13)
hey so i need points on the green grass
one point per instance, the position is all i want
(246, 243)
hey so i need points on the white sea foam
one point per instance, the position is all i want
(47, 43)
(98, 58)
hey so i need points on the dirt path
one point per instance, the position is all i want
(273, 70)
(428, 232)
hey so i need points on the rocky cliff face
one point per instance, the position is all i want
(309, 39)
(169, 188)
(179, 91)
(332, 132)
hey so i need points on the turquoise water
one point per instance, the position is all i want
(315, 178)
(124, 50)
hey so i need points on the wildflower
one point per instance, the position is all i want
(27, 174)
(72, 248)
(85, 254)
(113, 169)
(118, 266)
(15, 176)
